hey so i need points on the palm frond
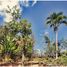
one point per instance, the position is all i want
(60, 13)
(47, 39)
(65, 17)
(64, 22)
(54, 15)
(48, 18)
(55, 19)
(48, 22)
(51, 25)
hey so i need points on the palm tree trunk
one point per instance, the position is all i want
(56, 44)
(49, 45)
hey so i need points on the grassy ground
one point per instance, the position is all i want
(61, 61)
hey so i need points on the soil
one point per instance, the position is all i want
(10, 64)
(25, 64)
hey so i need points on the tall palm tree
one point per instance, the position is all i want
(54, 21)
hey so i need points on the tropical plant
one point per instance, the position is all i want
(20, 33)
(47, 40)
(54, 21)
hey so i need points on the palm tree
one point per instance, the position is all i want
(47, 40)
(54, 21)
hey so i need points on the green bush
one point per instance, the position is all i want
(62, 60)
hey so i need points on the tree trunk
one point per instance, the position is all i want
(56, 44)
(23, 57)
(23, 54)
(49, 45)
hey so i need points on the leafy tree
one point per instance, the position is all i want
(26, 34)
(16, 37)
(25, 42)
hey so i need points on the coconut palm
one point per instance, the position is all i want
(54, 21)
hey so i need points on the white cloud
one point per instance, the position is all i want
(34, 2)
(46, 33)
(26, 3)
(11, 3)
(3, 7)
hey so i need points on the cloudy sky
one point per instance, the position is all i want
(37, 16)
(11, 3)
(36, 12)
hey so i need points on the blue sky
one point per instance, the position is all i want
(37, 15)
